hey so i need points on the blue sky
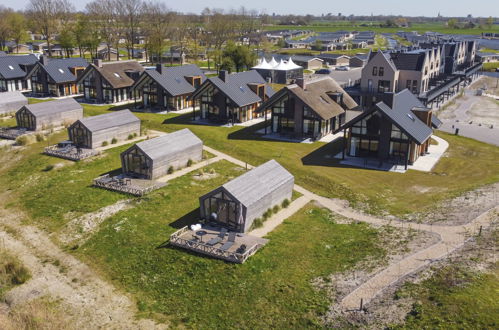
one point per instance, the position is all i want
(476, 8)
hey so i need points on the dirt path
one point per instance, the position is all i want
(451, 238)
(95, 303)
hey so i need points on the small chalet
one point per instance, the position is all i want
(396, 130)
(13, 71)
(236, 204)
(232, 97)
(56, 77)
(308, 110)
(153, 158)
(109, 82)
(94, 132)
(10, 102)
(44, 115)
(168, 88)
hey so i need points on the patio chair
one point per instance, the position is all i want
(218, 239)
(230, 241)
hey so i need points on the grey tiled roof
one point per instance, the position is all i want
(15, 96)
(169, 144)
(11, 65)
(52, 107)
(109, 120)
(59, 69)
(173, 79)
(403, 117)
(258, 183)
(237, 90)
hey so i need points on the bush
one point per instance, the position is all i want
(12, 271)
(114, 140)
(170, 170)
(212, 171)
(48, 168)
(135, 135)
(285, 203)
(24, 140)
(267, 214)
(105, 143)
(257, 223)
(201, 172)
(130, 137)
(40, 137)
(275, 209)
(189, 163)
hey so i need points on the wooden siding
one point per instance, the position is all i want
(55, 119)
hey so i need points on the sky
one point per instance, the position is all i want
(477, 8)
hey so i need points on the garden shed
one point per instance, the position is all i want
(93, 132)
(153, 158)
(236, 204)
(49, 114)
(10, 102)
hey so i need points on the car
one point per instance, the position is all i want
(342, 68)
(323, 71)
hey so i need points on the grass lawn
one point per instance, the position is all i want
(272, 289)
(12, 272)
(491, 66)
(454, 298)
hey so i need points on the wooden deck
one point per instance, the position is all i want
(127, 185)
(244, 246)
(12, 133)
(70, 152)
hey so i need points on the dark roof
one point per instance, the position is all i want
(258, 183)
(236, 87)
(59, 69)
(14, 66)
(2, 53)
(109, 120)
(52, 107)
(435, 122)
(169, 144)
(173, 79)
(316, 96)
(332, 56)
(408, 61)
(115, 73)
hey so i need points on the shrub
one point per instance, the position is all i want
(201, 172)
(12, 271)
(24, 140)
(257, 223)
(170, 170)
(189, 163)
(39, 137)
(212, 171)
(48, 168)
(275, 209)
(114, 140)
(130, 137)
(135, 135)
(285, 203)
(267, 214)
(105, 143)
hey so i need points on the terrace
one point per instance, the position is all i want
(70, 152)
(127, 184)
(217, 243)
(12, 133)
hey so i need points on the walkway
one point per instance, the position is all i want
(451, 238)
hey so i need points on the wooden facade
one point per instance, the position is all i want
(49, 114)
(10, 102)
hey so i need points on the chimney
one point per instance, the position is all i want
(44, 59)
(223, 75)
(301, 82)
(98, 62)
(159, 68)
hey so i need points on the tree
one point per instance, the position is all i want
(130, 12)
(17, 24)
(241, 57)
(158, 25)
(103, 14)
(452, 23)
(5, 29)
(489, 22)
(67, 41)
(46, 17)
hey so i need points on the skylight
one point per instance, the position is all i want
(242, 89)
(61, 70)
(410, 116)
(177, 80)
(117, 75)
(11, 67)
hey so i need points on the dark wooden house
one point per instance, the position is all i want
(13, 71)
(93, 132)
(236, 204)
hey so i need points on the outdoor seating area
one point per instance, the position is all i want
(127, 184)
(70, 152)
(12, 133)
(217, 242)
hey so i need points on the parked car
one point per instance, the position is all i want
(323, 71)
(342, 68)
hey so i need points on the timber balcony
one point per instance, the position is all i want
(217, 243)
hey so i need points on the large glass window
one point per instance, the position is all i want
(375, 70)
(381, 71)
(383, 86)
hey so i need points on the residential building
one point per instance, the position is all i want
(396, 130)
(308, 109)
(233, 97)
(168, 88)
(13, 71)
(56, 77)
(10, 102)
(44, 115)
(109, 82)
